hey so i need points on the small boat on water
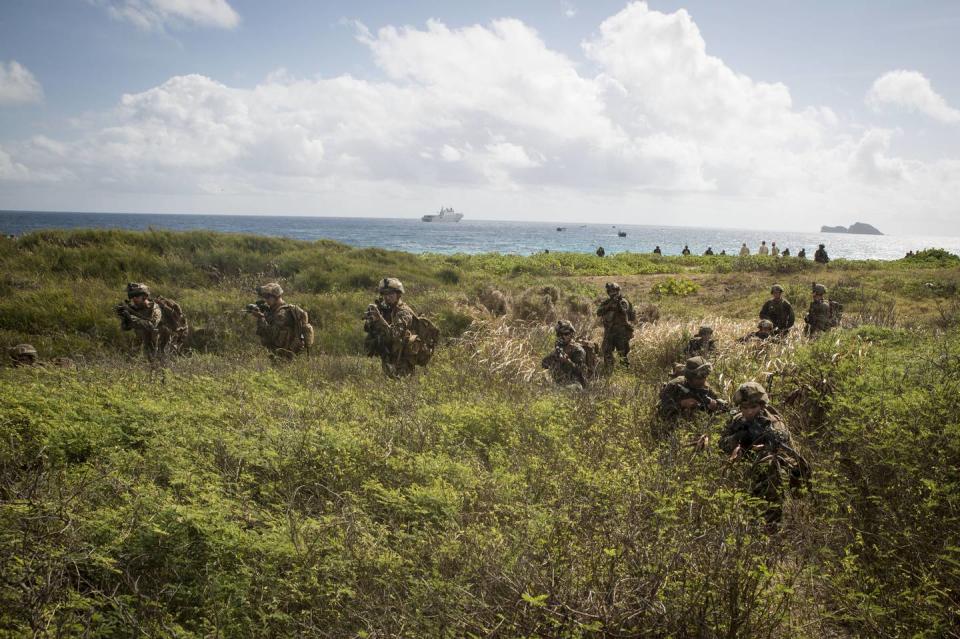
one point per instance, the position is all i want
(561, 228)
(446, 214)
(621, 233)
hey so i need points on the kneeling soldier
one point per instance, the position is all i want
(159, 323)
(283, 328)
(568, 361)
(702, 343)
(689, 392)
(391, 327)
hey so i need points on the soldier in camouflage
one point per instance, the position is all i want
(617, 315)
(758, 436)
(818, 316)
(764, 332)
(778, 310)
(702, 343)
(388, 324)
(568, 361)
(23, 355)
(283, 328)
(145, 318)
(689, 393)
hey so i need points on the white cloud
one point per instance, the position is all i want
(155, 15)
(911, 91)
(568, 10)
(17, 84)
(494, 114)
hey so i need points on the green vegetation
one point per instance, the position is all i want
(228, 496)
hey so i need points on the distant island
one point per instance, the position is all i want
(859, 228)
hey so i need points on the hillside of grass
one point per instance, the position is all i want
(225, 495)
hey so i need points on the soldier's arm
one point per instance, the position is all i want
(402, 321)
(765, 310)
(150, 323)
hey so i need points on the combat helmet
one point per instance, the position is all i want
(612, 286)
(751, 393)
(705, 331)
(137, 288)
(272, 288)
(390, 284)
(776, 288)
(697, 367)
(765, 324)
(564, 327)
(819, 289)
(22, 353)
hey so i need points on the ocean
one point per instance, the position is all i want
(482, 236)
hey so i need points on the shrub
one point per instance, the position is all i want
(679, 287)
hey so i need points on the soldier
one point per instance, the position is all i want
(820, 256)
(818, 316)
(702, 343)
(689, 392)
(600, 251)
(392, 331)
(617, 315)
(686, 250)
(657, 251)
(786, 252)
(284, 329)
(757, 434)
(802, 254)
(23, 355)
(158, 323)
(778, 310)
(709, 251)
(568, 361)
(764, 331)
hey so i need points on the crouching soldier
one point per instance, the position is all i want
(23, 355)
(568, 361)
(395, 334)
(764, 332)
(758, 436)
(283, 328)
(159, 323)
(617, 314)
(702, 343)
(689, 393)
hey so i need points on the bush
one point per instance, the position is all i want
(678, 287)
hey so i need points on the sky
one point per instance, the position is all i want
(744, 114)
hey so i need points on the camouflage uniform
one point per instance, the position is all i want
(818, 316)
(820, 256)
(618, 316)
(145, 321)
(764, 441)
(764, 332)
(388, 331)
(702, 343)
(680, 388)
(568, 361)
(23, 355)
(780, 312)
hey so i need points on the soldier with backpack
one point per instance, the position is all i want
(822, 315)
(573, 362)
(283, 328)
(398, 336)
(159, 323)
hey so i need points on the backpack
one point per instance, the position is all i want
(592, 359)
(172, 316)
(428, 335)
(302, 319)
(836, 312)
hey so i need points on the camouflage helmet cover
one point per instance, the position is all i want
(776, 288)
(697, 367)
(272, 288)
(612, 286)
(765, 324)
(137, 288)
(22, 350)
(819, 289)
(388, 284)
(705, 331)
(751, 393)
(564, 327)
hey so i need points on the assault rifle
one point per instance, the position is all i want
(259, 306)
(703, 398)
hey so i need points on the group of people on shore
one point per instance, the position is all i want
(820, 255)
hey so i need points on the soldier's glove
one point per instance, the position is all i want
(121, 310)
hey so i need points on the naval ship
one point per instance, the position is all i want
(445, 215)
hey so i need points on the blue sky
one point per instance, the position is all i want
(779, 114)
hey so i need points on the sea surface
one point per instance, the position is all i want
(482, 236)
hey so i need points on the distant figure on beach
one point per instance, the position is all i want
(568, 361)
(702, 343)
(820, 257)
(709, 251)
(786, 252)
(618, 317)
(159, 323)
(909, 254)
(802, 254)
(284, 329)
(764, 249)
(778, 310)
(723, 252)
(395, 334)
(774, 250)
(686, 250)
(656, 250)
(744, 251)
(600, 251)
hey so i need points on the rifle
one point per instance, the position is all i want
(703, 398)
(258, 306)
